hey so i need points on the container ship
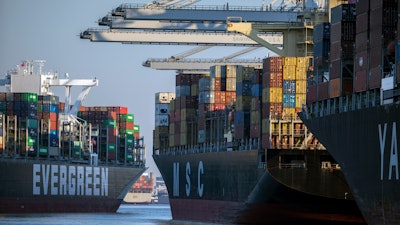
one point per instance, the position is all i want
(354, 109)
(141, 192)
(60, 158)
(231, 149)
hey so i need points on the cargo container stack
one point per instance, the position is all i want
(126, 137)
(115, 139)
(244, 77)
(21, 123)
(182, 121)
(162, 120)
(48, 111)
(272, 83)
(186, 105)
(398, 49)
(377, 23)
(256, 99)
(343, 32)
(318, 78)
(284, 93)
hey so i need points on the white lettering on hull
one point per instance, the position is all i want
(393, 155)
(175, 182)
(69, 180)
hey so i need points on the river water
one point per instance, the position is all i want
(127, 214)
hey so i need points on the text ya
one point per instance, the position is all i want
(393, 155)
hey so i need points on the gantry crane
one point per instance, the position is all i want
(281, 25)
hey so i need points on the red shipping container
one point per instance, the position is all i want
(347, 86)
(375, 56)
(336, 49)
(360, 81)
(361, 61)
(335, 69)
(375, 37)
(334, 88)
(361, 41)
(254, 130)
(274, 109)
(362, 22)
(375, 78)
(362, 7)
(265, 142)
(239, 131)
(311, 94)
(323, 91)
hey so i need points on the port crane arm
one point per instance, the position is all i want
(87, 84)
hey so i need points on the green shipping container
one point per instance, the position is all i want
(127, 117)
(43, 151)
(112, 147)
(129, 157)
(77, 148)
(136, 128)
(29, 97)
(108, 123)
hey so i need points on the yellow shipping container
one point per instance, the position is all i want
(303, 61)
(272, 94)
(183, 138)
(286, 128)
(301, 73)
(231, 84)
(289, 113)
(300, 100)
(172, 128)
(301, 86)
(289, 72)
(171, 140)
(290, 61)
(231, 71)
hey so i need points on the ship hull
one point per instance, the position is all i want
(230, 187)
(365, 144)
(33, 186)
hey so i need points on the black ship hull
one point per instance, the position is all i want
(35, 186)
(365, 144)
(232, 187)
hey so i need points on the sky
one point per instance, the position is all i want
(49, 30)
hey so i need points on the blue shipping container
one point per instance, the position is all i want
(289, 100)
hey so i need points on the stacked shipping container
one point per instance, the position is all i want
(116, 132)
(375, 43)
(251, 104)
(343, 30)
(162, 119)
(284, 93)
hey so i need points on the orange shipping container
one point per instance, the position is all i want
(334, 88)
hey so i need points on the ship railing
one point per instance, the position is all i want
(294, 164)
(351, 102)
(243, 144)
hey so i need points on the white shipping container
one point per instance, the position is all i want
(162, 109)
(164, 97)
(161, 120)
